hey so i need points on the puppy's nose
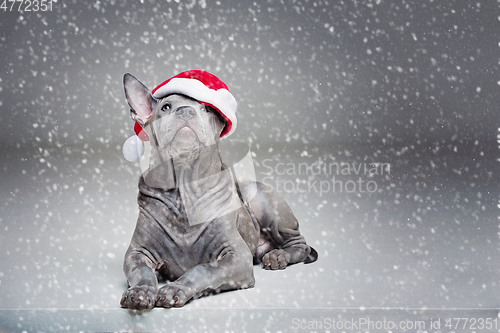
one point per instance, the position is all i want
(185, 112)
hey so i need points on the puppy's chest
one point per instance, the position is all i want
(168, 220)
(181, 246)
(181, 235)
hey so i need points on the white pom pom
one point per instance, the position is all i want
(133, 149)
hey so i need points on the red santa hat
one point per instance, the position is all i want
(200, 85)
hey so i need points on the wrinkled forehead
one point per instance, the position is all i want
(179, 100)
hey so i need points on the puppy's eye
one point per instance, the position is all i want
(166, 107)
(205, 108)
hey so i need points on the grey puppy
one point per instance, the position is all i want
(197, 227)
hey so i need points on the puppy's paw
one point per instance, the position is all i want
(173, 295)
(275, 259)
(139, 298)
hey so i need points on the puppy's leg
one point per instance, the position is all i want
(142, 281)
(281, 243)
(231, 268)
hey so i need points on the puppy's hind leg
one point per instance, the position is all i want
(280, 243)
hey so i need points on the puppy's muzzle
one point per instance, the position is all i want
(185, 112)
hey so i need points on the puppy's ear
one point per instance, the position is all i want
(141, 102)
(218, 122)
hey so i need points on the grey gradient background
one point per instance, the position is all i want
(411, 83)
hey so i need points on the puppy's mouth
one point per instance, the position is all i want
(186, 136)
(185, 132)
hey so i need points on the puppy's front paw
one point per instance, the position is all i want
(173, 295)
(275, 259)
(139, 298)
